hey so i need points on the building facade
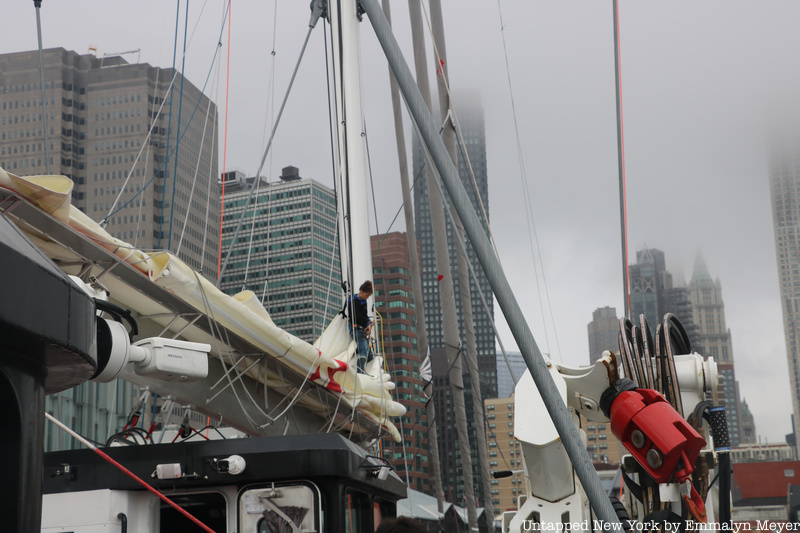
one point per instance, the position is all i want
(113, 129)
(714, 340)
(286, 250)
(396, 311)
(650, 283)
(505, 453)
(603, 332)
(784, 181)
(474, 146)
(505, 381)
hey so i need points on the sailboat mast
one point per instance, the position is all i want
(354, 241)
(416, 280)
(462, 261)
(494, 273)
(447, 300)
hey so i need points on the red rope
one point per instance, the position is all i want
(624, 182)
(140, 481)
(225, 143)
(106, 457)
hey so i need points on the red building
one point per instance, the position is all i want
(394, 303)
(760, 493)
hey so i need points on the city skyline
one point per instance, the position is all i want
(692, 121)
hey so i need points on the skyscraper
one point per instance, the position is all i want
(474, 146)
(286, 250)
(784, 178)
(113, 130)
(650, 283)
(110, 129)
(603, 332)
(505, 383)
(394, 304)
(714, 340)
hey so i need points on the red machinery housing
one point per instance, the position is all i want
(655, 434)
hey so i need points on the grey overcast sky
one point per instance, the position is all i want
(697, 78)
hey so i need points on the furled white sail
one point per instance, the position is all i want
(330, 362)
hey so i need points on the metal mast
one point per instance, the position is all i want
(416, 281)
(462, 261)
(483, 249)
(446, 292)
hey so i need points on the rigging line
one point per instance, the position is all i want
(212, 179)
(225, 144)
(264, 157)
(127, 472)
(623, 202)
(371, 181)
(462, 245)
(227, 372)
(215, 329)
(177, 131)
(269, 114)
(457, 125)
(144, 169)
(169, 122)
(175, 74)
(253, 224)
(194, 183)
(337, 186)
(271, 91)
(532, 232)
(392, 355)
(399, 210)
(149, 133)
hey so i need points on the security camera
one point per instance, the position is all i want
(383, 473)
(156, 357)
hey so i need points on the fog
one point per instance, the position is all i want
(697, 81)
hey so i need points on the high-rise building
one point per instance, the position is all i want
(286, 250)
(784, 178)
(747, 431)
(714, 340)
(471, 120)
(110, 130)
(505, 381)
(650, 284)
(112, 127)
(603, 332)
(395, 306)
(505, 453)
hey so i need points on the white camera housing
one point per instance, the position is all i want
(157, 357)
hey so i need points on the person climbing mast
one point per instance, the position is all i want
(359, 323)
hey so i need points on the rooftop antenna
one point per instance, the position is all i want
(38, 5)
(138, 53)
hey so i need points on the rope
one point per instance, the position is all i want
(169, 154)
(263, 160)
(180, 108)
(225, 144)
(127, 472)
(169, 121)
(533, 235)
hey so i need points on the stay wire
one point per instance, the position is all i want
(264, 157)
(169, 154)
(531, 220)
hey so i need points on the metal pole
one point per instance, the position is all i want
(447, 300)
(623, 213)
(483, 249)
(416, 280)
(38, 5)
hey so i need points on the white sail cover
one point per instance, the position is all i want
(329, 362)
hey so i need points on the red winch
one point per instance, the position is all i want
(652, 431)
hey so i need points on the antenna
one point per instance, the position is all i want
(115, 54)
